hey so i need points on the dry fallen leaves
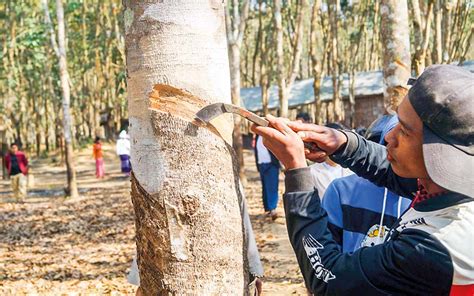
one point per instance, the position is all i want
(73, 247)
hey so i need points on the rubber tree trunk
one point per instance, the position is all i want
(185, 182)
(316, 62)
(67, 119)
(281, 75)
(396, 49)
(234, 57)
(235, 29)
(338, 107)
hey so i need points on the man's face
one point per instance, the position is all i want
(404, 143)
(14, 148)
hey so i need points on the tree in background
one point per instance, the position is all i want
(30, 77)
(286, 79)
(317, 60)
(185, 182)
(337, 114)
(396, 49)
(59, 48)
(236, 18)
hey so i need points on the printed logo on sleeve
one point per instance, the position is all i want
(414, 222)
(311, 246)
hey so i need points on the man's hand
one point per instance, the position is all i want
(283, 142)
(328, 139)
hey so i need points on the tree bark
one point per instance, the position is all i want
(421, 48)
(285, 81)
(264, 51)
(60, 50)
(338, 109)
(438, 52)
(374, 52)
(234, 60)
(297, 44)
(467, 46)
(396, 49)
(358, 17)
(281, 75)
(418, 36)
(185, 182)
(316, 63)
(447, 8)
(235, 27)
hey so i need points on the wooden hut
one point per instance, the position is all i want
(368, 89)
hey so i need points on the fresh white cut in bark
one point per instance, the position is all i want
(185, 183)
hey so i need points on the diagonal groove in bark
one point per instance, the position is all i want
(188, 173)
(184, 105)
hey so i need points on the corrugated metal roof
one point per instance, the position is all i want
(366, 84)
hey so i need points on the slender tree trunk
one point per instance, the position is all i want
(281, 75)
(447, 25)
(258, 42)
(264, 50)
(234, 60)
(316, 63)
(338, 108)
(438, 40)
(297, 44)
(185, 183)
(418, 36)
(467, 45)
(352, 98)
(60, 50)
(421, 52)
(464, 30)
(374, 52)
(396, 46)
(235, 27)
(46, 128)
(359, 17)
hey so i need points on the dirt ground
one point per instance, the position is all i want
(53, 246)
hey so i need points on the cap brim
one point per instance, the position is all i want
(448, 166)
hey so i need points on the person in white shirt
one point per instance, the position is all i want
(123, 151)
(269, 168)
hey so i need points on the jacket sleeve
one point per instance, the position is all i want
(414, 263)
(369, 160)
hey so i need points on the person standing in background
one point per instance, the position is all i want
(123, 151)
(99, 160)
(17, 167)
(269, 168)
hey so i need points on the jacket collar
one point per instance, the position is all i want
(442, 201)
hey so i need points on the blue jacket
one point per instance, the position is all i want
(356, 207)
(361, 213)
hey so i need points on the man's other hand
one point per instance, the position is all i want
(283, 142)
(327, 139)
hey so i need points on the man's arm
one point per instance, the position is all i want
(369, 160)
(414, 263)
